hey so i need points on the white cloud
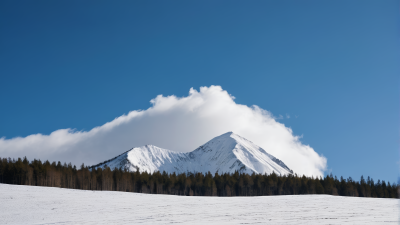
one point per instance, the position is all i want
(180, 124)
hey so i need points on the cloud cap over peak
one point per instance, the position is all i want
(179, 124)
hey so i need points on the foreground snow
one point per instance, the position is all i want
(44, 205)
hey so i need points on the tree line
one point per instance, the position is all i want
(38, 173)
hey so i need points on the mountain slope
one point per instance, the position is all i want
(230, 152)
(149, 158)
(223, 154)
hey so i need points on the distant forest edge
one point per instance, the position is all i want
(54, 174)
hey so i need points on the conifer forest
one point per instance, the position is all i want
(38, 173)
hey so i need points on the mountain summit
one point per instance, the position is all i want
(223, 154)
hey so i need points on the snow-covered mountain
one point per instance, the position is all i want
(223, 154)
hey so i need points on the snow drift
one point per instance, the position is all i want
(47, 205)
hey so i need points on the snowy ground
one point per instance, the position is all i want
(44, 205)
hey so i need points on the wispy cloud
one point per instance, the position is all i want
(179, 124)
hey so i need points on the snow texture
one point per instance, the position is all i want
(223, 154)
(46, 205)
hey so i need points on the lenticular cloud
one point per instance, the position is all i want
(179, 124)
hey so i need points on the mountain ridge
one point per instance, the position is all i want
(226, 153)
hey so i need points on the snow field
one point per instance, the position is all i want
(46, 205)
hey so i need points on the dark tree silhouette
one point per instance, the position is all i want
(38, 173)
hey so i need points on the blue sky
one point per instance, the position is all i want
(333, 66)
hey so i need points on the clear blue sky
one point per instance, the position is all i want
(333, 66)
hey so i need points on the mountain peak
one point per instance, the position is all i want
(229, 138)
(227, 135)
